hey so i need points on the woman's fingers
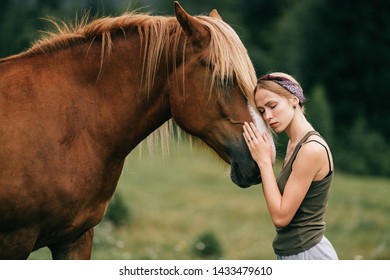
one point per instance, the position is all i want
(258, 144)
(255, 131)
(249, 132)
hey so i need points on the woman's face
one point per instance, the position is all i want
(276, 110)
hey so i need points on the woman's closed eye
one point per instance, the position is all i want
(262, 110)
(272, 105)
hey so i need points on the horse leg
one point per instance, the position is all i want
(79, 249)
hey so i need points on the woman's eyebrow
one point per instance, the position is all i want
(269, 102)
(266, 104)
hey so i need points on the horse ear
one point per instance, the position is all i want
(214, 13)
(196, 31)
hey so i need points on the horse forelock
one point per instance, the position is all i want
(228, 57)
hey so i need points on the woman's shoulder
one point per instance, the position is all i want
(315, 152)
(311, 150)
(316, 139)
(315, 145)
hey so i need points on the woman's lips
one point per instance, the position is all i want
(273, 125)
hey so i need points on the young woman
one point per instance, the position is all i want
(297, 198)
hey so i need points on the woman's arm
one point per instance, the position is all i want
(306, 165)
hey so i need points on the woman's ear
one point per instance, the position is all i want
(294, 101)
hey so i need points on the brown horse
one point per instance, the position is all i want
(75, 104)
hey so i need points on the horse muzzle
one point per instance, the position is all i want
(245, 173)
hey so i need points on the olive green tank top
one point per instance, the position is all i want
(307, 227)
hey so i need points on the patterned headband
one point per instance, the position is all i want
(287, 84)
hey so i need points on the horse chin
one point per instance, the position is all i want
(243, 176)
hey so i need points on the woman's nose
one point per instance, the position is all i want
(267, 115)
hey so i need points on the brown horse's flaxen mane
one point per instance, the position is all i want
(226, 53)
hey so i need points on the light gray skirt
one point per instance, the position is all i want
(322, 251)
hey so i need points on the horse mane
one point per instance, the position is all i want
(226, 54)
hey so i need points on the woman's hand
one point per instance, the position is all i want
(259, 146)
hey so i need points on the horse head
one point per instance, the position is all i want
(213, 95)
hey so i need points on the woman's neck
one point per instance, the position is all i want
(298, 127)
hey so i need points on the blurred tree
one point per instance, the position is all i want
(118, 212)
(4, 6)
(16, 27)
(319, 113)
(346, 47)
(363, 150)
(362, 43)
(207, 246)
(260, 18)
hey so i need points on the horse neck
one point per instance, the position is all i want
(121, 107)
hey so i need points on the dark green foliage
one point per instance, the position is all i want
(363, 151)
(207, 246)
(347, 49)
(319, 113)
(118, 213)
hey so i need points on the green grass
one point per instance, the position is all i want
(174, 200)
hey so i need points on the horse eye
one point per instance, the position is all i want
(226, 82)
(204, 63)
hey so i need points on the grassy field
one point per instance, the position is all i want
(174, 200)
